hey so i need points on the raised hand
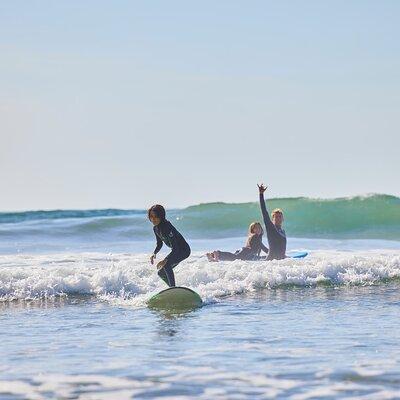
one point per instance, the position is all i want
(262, 188)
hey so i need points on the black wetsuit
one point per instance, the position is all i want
(250, 252)
(276, 236)
(167, 233)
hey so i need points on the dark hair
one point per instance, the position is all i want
(157, 209)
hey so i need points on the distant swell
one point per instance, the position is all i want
(369, 217)
(373, 217)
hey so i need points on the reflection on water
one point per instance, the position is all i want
(170, 323)
(294, 343)
(46, 303)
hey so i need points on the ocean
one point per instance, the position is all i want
(74, 321)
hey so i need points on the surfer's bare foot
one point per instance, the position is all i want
(211, 257)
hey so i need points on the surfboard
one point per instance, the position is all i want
(299, 255)
(176, 298)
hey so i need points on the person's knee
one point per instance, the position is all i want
(161, 273)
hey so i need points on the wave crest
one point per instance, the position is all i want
(362, 217)
(129, 279)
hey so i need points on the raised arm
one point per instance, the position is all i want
(267, 219)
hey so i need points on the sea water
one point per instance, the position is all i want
(74, 321)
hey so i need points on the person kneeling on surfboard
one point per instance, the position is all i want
(166, 233)
(251, 251)
(275, 234)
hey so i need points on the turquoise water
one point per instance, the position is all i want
(369, 217)
(74, 321)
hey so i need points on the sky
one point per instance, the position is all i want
(124, 104)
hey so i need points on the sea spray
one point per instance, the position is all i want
(129, 279)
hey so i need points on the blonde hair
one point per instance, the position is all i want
(251, 232)
(276, 211)
(253, 226)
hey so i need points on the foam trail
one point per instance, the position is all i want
(130, 280)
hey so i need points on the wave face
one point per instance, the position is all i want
(372, 217)
(369, 217)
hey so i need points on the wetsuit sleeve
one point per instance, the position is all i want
(159, 243)
(267, 220)
(264, 248)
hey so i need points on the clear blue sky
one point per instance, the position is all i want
(127, 103)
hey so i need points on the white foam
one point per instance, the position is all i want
(210, 382)
(129, 279)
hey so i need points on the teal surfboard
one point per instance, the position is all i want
(176, 298)
(299, 255)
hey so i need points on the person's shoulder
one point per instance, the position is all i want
(169, 228)
(168, 225)
(254, 238)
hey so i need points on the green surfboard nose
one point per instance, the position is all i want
(176, 298)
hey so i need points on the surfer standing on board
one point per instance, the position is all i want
(166, 233)
(275, 234)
